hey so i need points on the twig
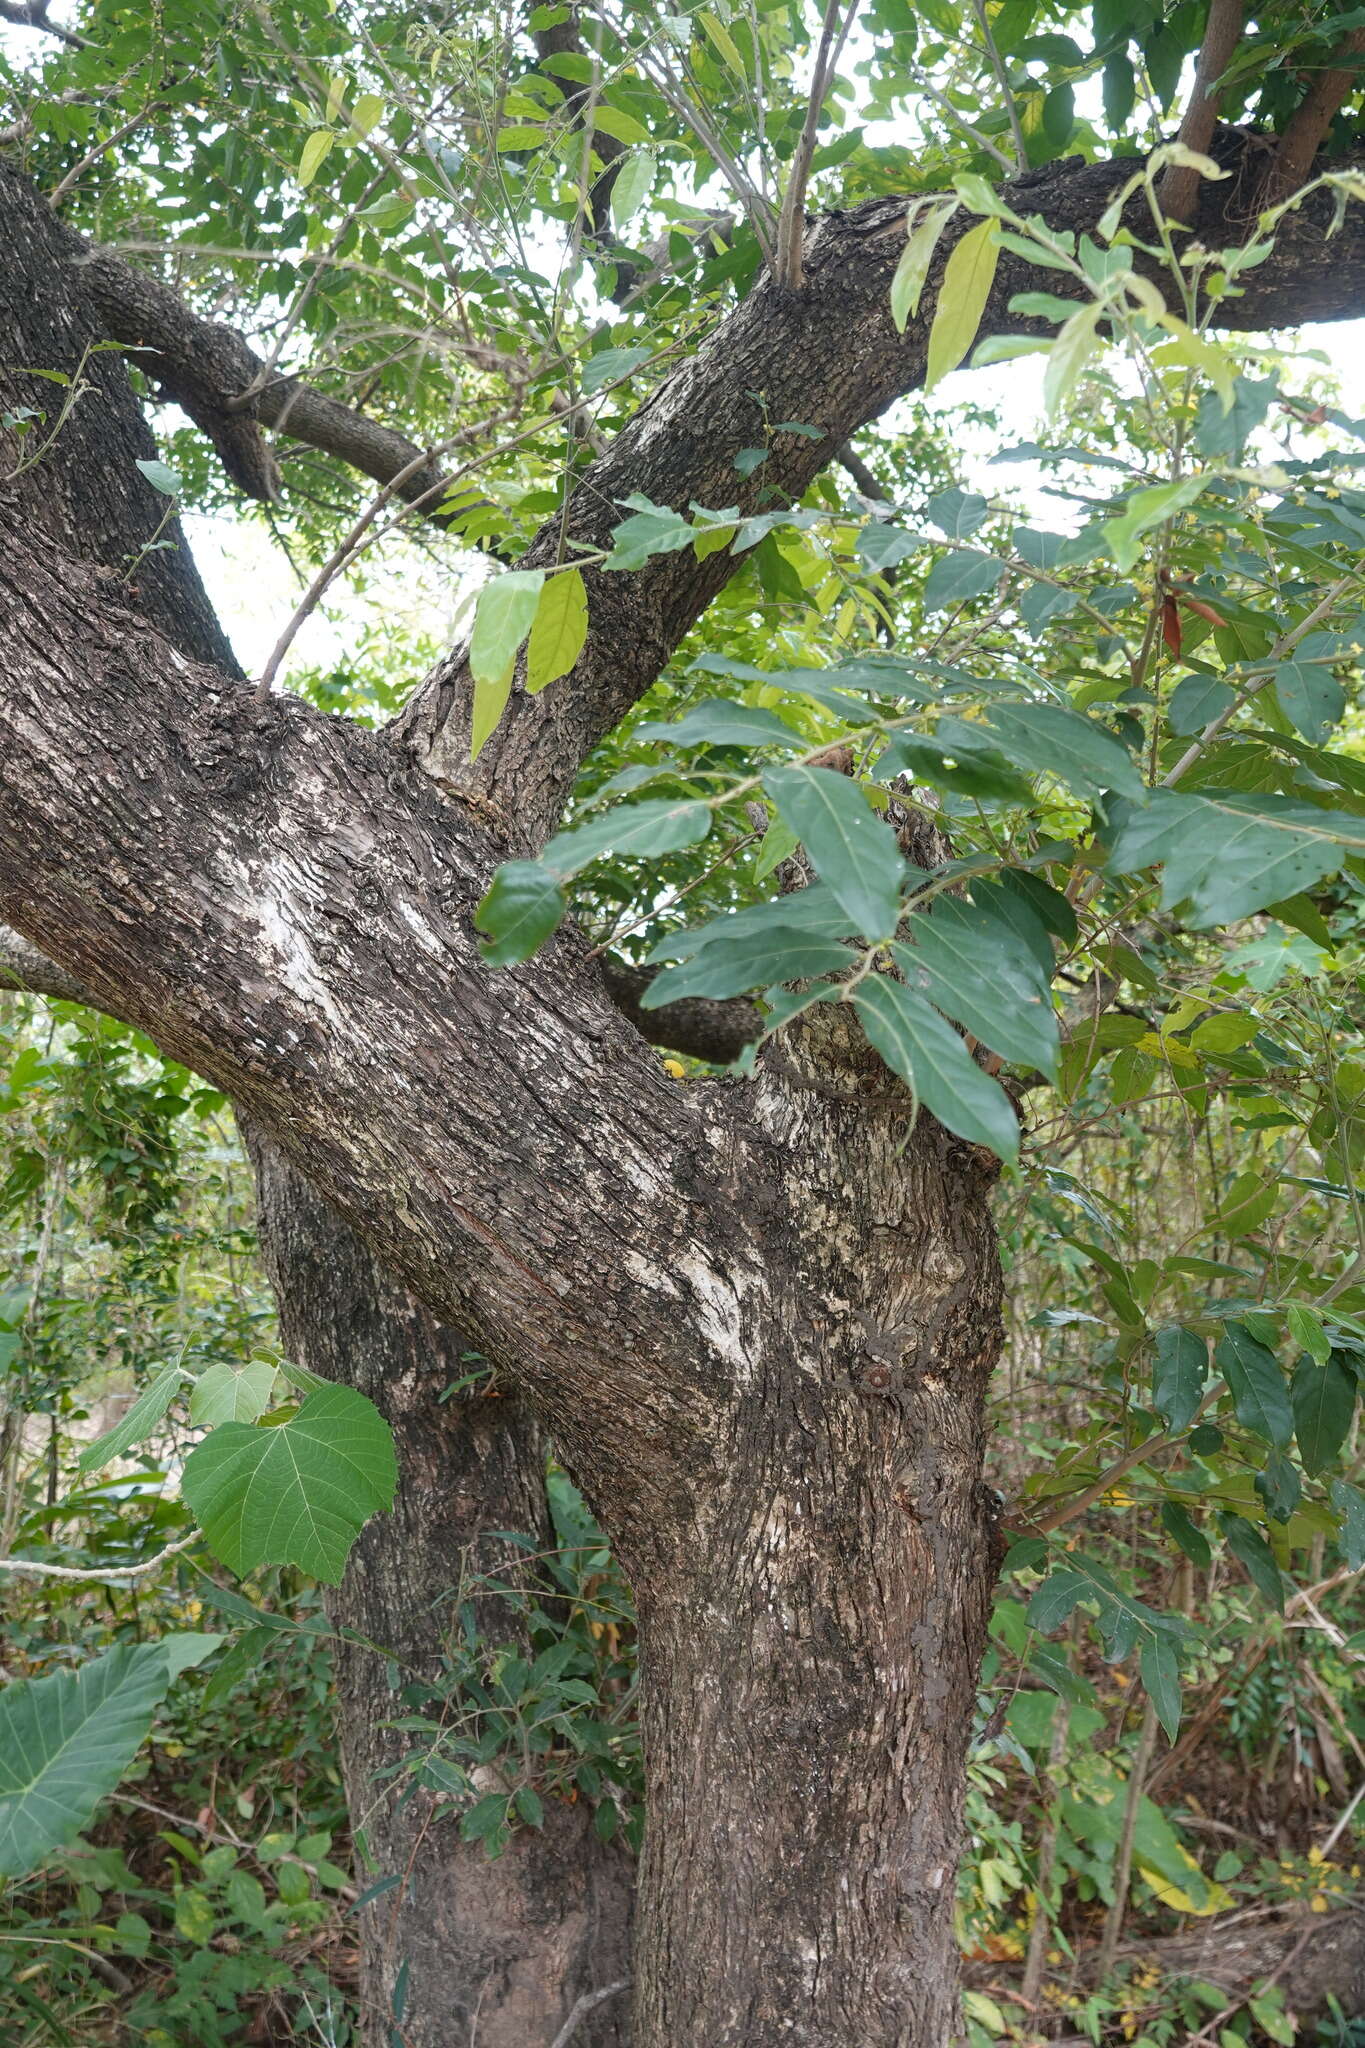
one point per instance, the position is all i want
(1113, 1923)
(78, 170)
(1002, 80)
(1179, 191)
(583, 2005)
(792, 219)
(1344, 1822)
(1211, 2032)
(102, 1574)
(1308, 125)
(33, 14)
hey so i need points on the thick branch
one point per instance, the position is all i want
(830, 358)
(263, 894)
(1222, 33)
(33, 14)
(1307, 130)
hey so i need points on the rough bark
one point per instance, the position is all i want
(517, 1941)
(496, 1951)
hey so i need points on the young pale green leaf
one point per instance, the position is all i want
(298, 1493)
(1228, 856)
(1146, 509)
(854, 852)
(779, 844)
(1252, 1550)
(230, 1393)
(923, 229)
(1047, 738)
(65, 1741)
(966, 288)
(1256, 1385)
(503, 617)
(970, 965)
(1305, 1324)
(631, 186)
(139, 1422)
(1179, 1370)
(1324, 1403)
(916, 1044)
(315, 153)
(1070, 352)
(559, 629)
(523, 905)
(659, 825)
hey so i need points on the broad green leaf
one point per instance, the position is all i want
(977, 771)
(631, 186)
(1279, 1487)
(814, 910)
(1256, 1385)
(65, 1741)
(1310, 697)
(139, 1422)
(735, 961)
(1176, 1521)
(607, 367)
(614, 121)
(779, 844)
(1305, 1327)
(315, 152)
(230, 1393)
(1046, 738)
(972, 967)
(963, 574)
(298, 1493)
(1196, 702)
(1160, 1665)
(924, 229)
(963, 295)
(162, 478)
(523, 905)
(853, 851)
(367, 113)
(1179, 1370)
(721, 37)
(659, 825)
(1324, 1401)
(1146, 509)
(1250, 1547)
(720, 723)
(1227, 856)
(916, 1044)
(559, 629)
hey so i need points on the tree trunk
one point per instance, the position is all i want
(514, 1942)
(496, 1952)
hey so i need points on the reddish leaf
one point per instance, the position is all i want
(1170, 624)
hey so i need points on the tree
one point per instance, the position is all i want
(757, 1314)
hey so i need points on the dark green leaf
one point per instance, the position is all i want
(959, 576)
(1252, 1550)
(971, 965)
(1310, 697)
(1229, 856)
(1160, 1663)
(659, 825)
(916, 1043)
(1048, 739)
(1256, 1385)
(1176, 1522)
(1324, 1401)
(853, 851)
(733, 961)
(1179, 1371)
(1279, 1487)
(721, 723)
(523, 905)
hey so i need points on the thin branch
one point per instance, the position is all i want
(791, 225)
(92, 156)
(1002, 80)
(1179, 194)
(33, 14)
(103, 1573)
(588, 2002)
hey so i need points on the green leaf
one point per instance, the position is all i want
(854, 852)
(1229, 856)
(907, 285)
(916, 1043)
(1349, 1504)
(1196, 702)
(367, 113)
(1324, 1401)
(1176, 1521)
(1305, 1324)
(1256, 1385)
(631, 186)
(614, 121)
(315, 152)
(963, 574)
(139, 1422)
(503, 616)
(1146, 509)
(1160, 1664)
(608, 366)
(559, 629)
(1049, 739)
(734, 961)
(720, 723)
(523, 905)
(65, 1741)
(659, 825)
(295, 1494)
(1179, 1370)
(1310, 697)
(973, 968)
(1251, 1548)
(162, 478)
(963, 295)
(230, 1393)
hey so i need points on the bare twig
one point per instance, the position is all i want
(92, 156)
(582, 2006)
(1179, 192)
(1137, 1777)
(792, 219)
(103, 1573)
